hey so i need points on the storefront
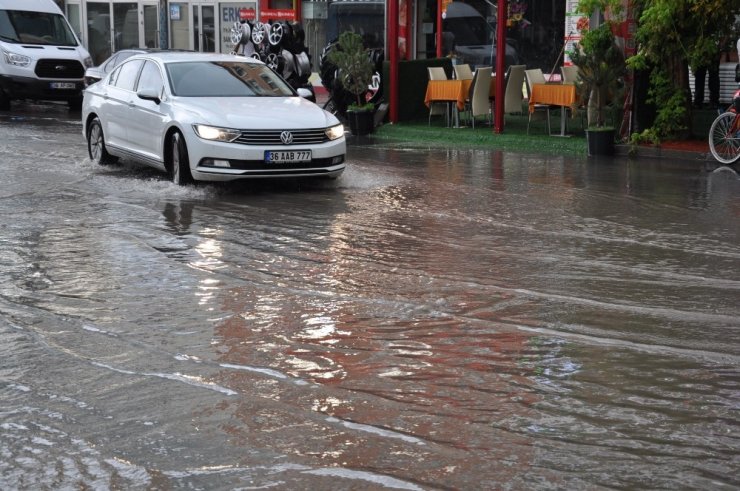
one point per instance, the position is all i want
(108, 26)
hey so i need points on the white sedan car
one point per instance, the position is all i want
(209, 117)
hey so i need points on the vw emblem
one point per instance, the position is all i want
(286, 137)
(59, 68)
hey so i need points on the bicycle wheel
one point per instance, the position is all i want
(724, 138)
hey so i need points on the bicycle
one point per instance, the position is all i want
(724, 134)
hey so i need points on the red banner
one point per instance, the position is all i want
(277, 14)
(247, 14)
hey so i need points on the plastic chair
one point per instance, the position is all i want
(437, 108)
(532, 77)
(463, 72)
(570, 74)
(514, 96)
(479, 90)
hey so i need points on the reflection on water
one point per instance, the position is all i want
(454, 319)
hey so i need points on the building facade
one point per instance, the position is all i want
(535, 28)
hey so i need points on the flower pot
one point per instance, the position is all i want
(360, 122)
(600, 142)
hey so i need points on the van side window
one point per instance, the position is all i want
(150, 77)
(127, 74)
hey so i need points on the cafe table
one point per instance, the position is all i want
(553, 94)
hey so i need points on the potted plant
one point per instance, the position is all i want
(355, 72)
(601, 68)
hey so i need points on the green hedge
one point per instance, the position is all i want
(412, 85)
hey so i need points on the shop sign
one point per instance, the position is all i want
(277, 14)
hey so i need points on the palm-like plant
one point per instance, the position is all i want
(601, 69)
(355, 69)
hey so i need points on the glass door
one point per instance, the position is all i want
(204, 28)
(125, 25)
(74, 16)
(99, 33)
(150, 26)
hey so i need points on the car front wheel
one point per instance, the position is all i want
(179, 164)
(96, 144)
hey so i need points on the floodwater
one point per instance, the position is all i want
(435, 319)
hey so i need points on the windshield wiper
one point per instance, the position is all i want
(7, 38)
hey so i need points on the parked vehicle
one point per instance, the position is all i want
(96, 73)
(472, 38)
(209, 117)
(40, 56)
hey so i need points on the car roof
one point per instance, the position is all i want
(181, 56)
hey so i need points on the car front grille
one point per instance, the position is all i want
(272, 137)
(51, 68)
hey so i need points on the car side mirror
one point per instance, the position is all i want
(149, 94)
(306, 94)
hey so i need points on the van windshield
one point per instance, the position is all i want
(22, 26)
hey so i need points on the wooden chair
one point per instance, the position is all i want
(532, 77)
(463, 72)
(479, 90)
(514, 96)
(438, 108)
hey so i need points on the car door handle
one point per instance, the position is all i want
(131, 103)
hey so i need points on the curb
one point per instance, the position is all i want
(645, 151)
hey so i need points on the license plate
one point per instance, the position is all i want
(287, 156)
(63, 85)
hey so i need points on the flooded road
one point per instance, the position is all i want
(434, 319)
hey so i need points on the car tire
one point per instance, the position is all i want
(96, 144)
(179, 168)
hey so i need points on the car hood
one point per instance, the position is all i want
(265, 113)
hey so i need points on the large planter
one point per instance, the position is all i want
(361, 122)
(600, 142)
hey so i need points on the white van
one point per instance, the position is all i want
(40, 56)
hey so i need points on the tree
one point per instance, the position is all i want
(673, 35)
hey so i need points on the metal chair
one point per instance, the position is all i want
(463, 72)
(437, 108)
(570, 74)
(532, 77)
(479, 91)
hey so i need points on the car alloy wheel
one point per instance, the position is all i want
(180, 165)
(96, 144)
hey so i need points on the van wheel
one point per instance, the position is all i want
(75, 104)
(4, 102)
(96, 144)
(179, 162)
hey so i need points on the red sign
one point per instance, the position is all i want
(247, 14)
(277, 14)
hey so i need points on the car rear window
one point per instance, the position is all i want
(225, 79)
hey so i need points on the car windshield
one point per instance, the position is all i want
(22, 26)
(225, 79)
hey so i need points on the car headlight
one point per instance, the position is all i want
(88, 62)
(16, 59)
(335, 132)
(218, 134)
